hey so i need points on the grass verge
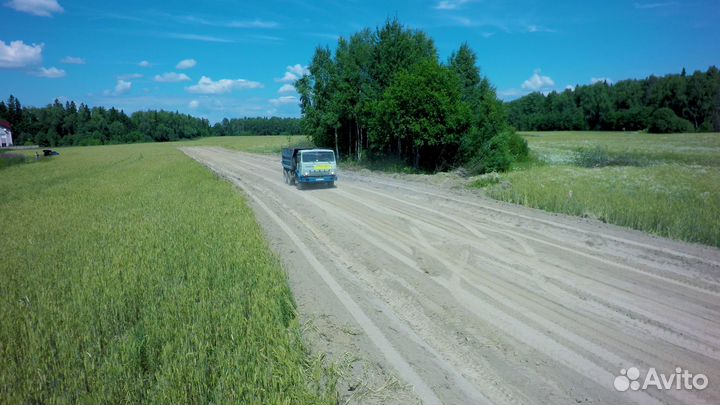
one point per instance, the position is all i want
(133, 275)
(659, 187)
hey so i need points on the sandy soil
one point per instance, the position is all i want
(421, 293)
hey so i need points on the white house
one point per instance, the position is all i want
(5, 134)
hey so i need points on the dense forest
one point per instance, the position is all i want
(68, 124)
(673, 103)
(258, 126)
(384, 93)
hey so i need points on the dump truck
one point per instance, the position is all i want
(303, 166)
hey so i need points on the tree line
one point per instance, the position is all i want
(384, 93)
(672, 103)
(258, 126)
(69, 124)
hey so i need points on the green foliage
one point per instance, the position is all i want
(487, 117)
(423, 110)
(258, 126)
(126, 280)
(69, 125)
(498, 153)
(629, 105)
(384, 93)
(664, 121)
(494, 156)
(556, 111)
(518, 145)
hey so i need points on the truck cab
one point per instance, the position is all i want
(309, 166)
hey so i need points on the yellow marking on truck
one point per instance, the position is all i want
(323, 167)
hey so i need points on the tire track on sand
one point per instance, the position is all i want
(403, 368)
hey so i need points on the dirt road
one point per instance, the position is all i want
(431, 295)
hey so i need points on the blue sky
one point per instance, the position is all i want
(235, 58)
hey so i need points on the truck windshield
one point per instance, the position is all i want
(321, 156)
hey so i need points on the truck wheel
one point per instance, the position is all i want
(285, 176)
(300, 185)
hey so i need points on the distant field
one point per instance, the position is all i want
(696, 148)
(256, 144)
(130, 274)
(664, 184)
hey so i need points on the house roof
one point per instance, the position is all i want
(5, 124)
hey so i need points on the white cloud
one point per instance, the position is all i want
(130, 76)
(288, 78)
(186, 64)
(121, 87)
(594, 80)
(43, 8)
(171, 77)
(463, 21)
(232, 24)
(538, 82)
(538, 28)
(252, 24)
(286, 88)
(194, 104)
(284, 100)
(569, 87)
(73, 60)
(50, 73)
(645, 6)
(195, 37)
(450, 4)
(293, 73)
(18, 54)
(145, 64)
(298, 70)
(207, 86)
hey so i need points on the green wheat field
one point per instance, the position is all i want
(131, 274)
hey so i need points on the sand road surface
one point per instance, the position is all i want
(423, 294)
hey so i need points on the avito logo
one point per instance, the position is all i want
(679, 380)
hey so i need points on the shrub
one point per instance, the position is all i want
(664, 121)
(494, 155)
(517, 144)
(633, 119)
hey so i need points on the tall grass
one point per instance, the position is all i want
(600, 156)
(130, 274)
(659, 187)
(10, 159)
